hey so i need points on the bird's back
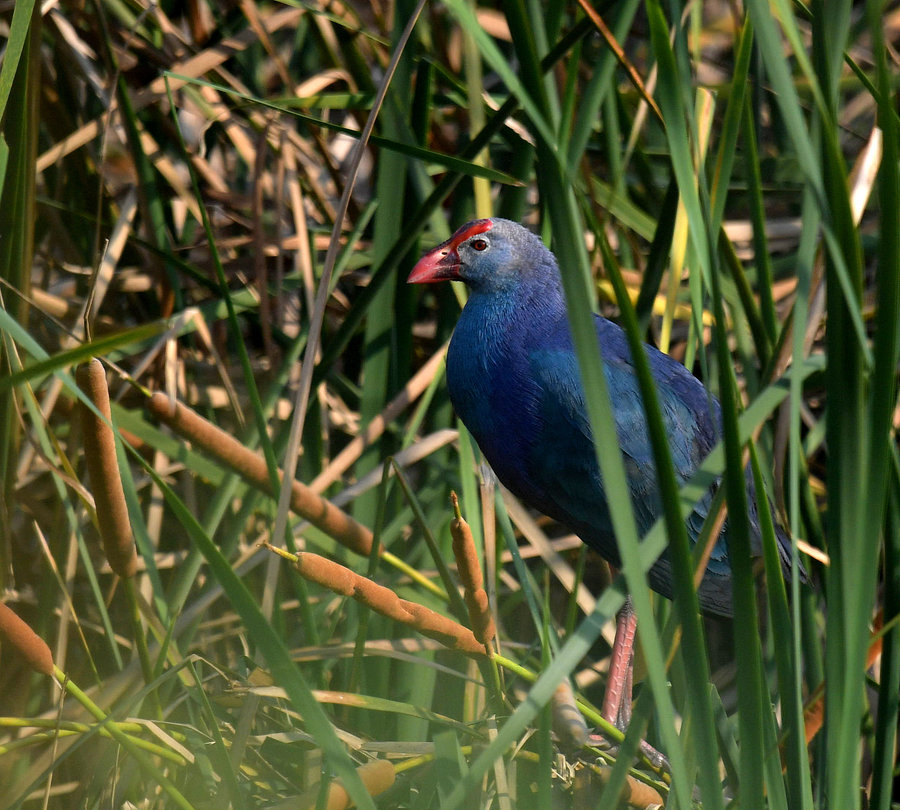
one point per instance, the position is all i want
(517, 389)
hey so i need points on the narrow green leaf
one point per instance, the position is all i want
(284, 672)
(22, 18)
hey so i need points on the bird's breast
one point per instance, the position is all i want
(495, 396)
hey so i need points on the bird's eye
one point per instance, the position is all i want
(479, 244)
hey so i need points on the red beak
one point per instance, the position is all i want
(439, 264)
(442, 263)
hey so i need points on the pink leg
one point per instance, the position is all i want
(617, 701)
(620, 680)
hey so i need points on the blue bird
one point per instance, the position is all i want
(514, 381)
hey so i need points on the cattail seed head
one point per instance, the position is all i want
(103, 471)
(480, 617)
(29, 644)
(252, 468)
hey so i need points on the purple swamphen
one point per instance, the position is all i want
(513, 378)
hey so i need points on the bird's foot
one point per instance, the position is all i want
(657, 760)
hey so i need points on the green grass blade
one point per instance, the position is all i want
(22, 20)
(883, 456)
(283, 670)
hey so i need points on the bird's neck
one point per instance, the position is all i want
(503, 319)
(493, 341)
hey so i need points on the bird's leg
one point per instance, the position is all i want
(617, 701)
(620, 680)
(628, 691)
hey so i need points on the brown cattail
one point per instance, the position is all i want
(377, 776)
(568, 722)
(636, 794)
(103, 471)
(476, 598)
(29, 644)
(342, 580)
(437, 626)
(252, 468)
(345, 582)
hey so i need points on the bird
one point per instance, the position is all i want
(514, 382)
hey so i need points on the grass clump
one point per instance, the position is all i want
(222, 205)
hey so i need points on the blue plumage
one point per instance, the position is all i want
(513, 378)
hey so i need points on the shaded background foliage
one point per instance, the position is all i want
(177, 184)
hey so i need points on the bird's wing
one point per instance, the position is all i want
(564, 458)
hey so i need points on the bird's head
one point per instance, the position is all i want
(488, 255)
